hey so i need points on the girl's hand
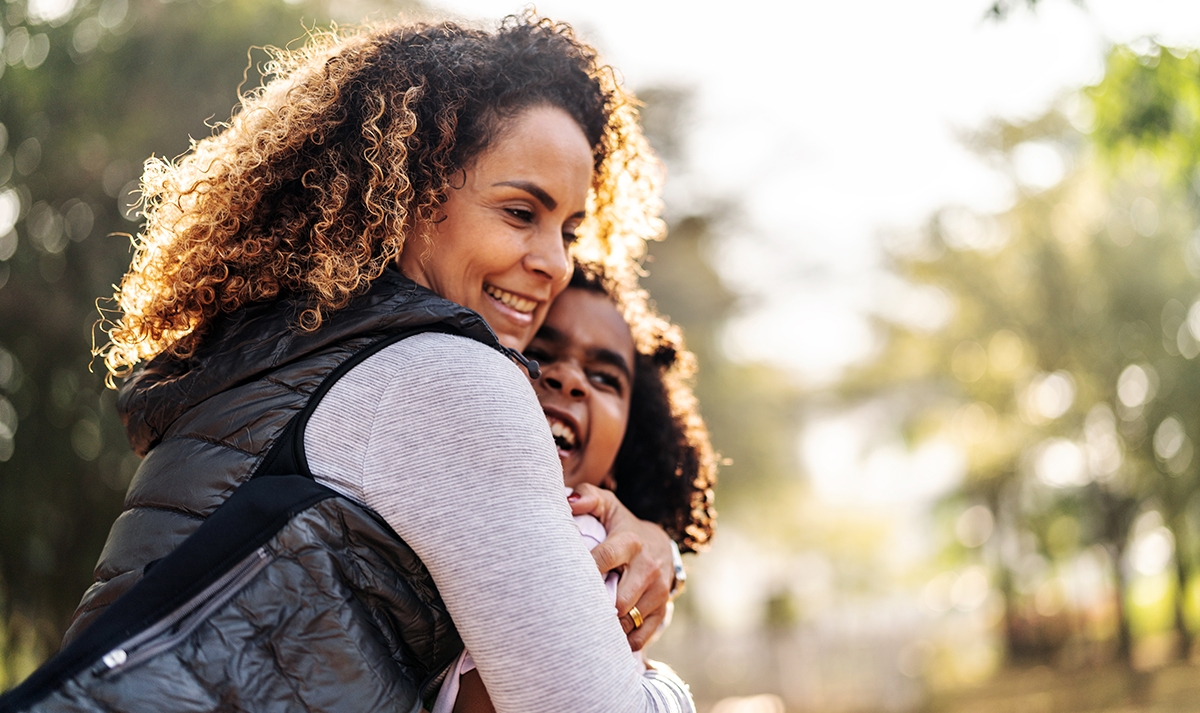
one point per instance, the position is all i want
(640, 550)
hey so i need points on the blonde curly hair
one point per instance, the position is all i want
(313, 186)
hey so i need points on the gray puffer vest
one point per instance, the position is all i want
(288, 596)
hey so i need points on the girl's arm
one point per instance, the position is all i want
(472, 695)
(443, 437)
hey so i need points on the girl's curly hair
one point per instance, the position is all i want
(665, 469)
(313, 186)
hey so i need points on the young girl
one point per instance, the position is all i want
(614, 390)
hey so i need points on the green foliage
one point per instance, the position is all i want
(1068, 371)
(1149, 102)
(1150, 603)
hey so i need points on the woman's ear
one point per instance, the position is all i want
(417, 249)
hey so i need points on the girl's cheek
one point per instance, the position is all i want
(618, 416)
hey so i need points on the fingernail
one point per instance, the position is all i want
(573, 497)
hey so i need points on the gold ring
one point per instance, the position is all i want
(636, 616)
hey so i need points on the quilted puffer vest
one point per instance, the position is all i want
(205, 426)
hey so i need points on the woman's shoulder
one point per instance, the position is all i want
(429, 383)
(440, 357)
(435, 373)
(444, 344)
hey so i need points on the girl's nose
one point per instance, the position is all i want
(567, 379)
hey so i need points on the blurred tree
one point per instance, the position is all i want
(1155, 133)
(88, 90)
(1066, 369)
(1149, 103)
(1002, 9)
(751, 409)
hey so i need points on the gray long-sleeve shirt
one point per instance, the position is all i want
(444, 438)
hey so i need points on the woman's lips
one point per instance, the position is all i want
(519, 309)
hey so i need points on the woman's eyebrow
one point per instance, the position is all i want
(534, 190)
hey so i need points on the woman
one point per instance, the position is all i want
(376, 186)
(623, 418)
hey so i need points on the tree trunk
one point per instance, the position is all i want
(1182, 570)
(1124, 636)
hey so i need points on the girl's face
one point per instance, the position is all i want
(586, 354)
(501, 245)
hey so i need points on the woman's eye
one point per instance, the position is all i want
(521, 214)
(569, 238)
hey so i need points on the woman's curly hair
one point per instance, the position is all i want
(665, 469)
(314, 185)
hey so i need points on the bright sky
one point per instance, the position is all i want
(835, 121)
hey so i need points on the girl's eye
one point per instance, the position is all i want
(569, 238)
(521, 214)
(607, 380)
(538, 354)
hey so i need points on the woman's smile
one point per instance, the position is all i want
(521, 308)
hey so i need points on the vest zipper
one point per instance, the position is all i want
(530, 365)
(185, 619)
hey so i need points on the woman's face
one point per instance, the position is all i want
(501, 247)
(586, 354)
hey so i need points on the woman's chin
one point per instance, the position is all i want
(511, 335)
(512, 341)
(514, 327)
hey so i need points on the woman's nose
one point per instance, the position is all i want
(549, 257)
(566, 379)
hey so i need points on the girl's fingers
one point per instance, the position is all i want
(614, 553)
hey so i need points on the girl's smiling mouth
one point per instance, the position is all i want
(565, 432)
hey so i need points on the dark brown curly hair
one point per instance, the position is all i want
(314, 185)
(665, 469)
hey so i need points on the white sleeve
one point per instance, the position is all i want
(443, 437)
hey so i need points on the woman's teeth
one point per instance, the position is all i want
(564, 435)
(518, 303)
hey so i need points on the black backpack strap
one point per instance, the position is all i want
(246, 521)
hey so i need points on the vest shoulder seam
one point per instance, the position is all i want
(283, 384)
(165, 508)
(211, 441)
